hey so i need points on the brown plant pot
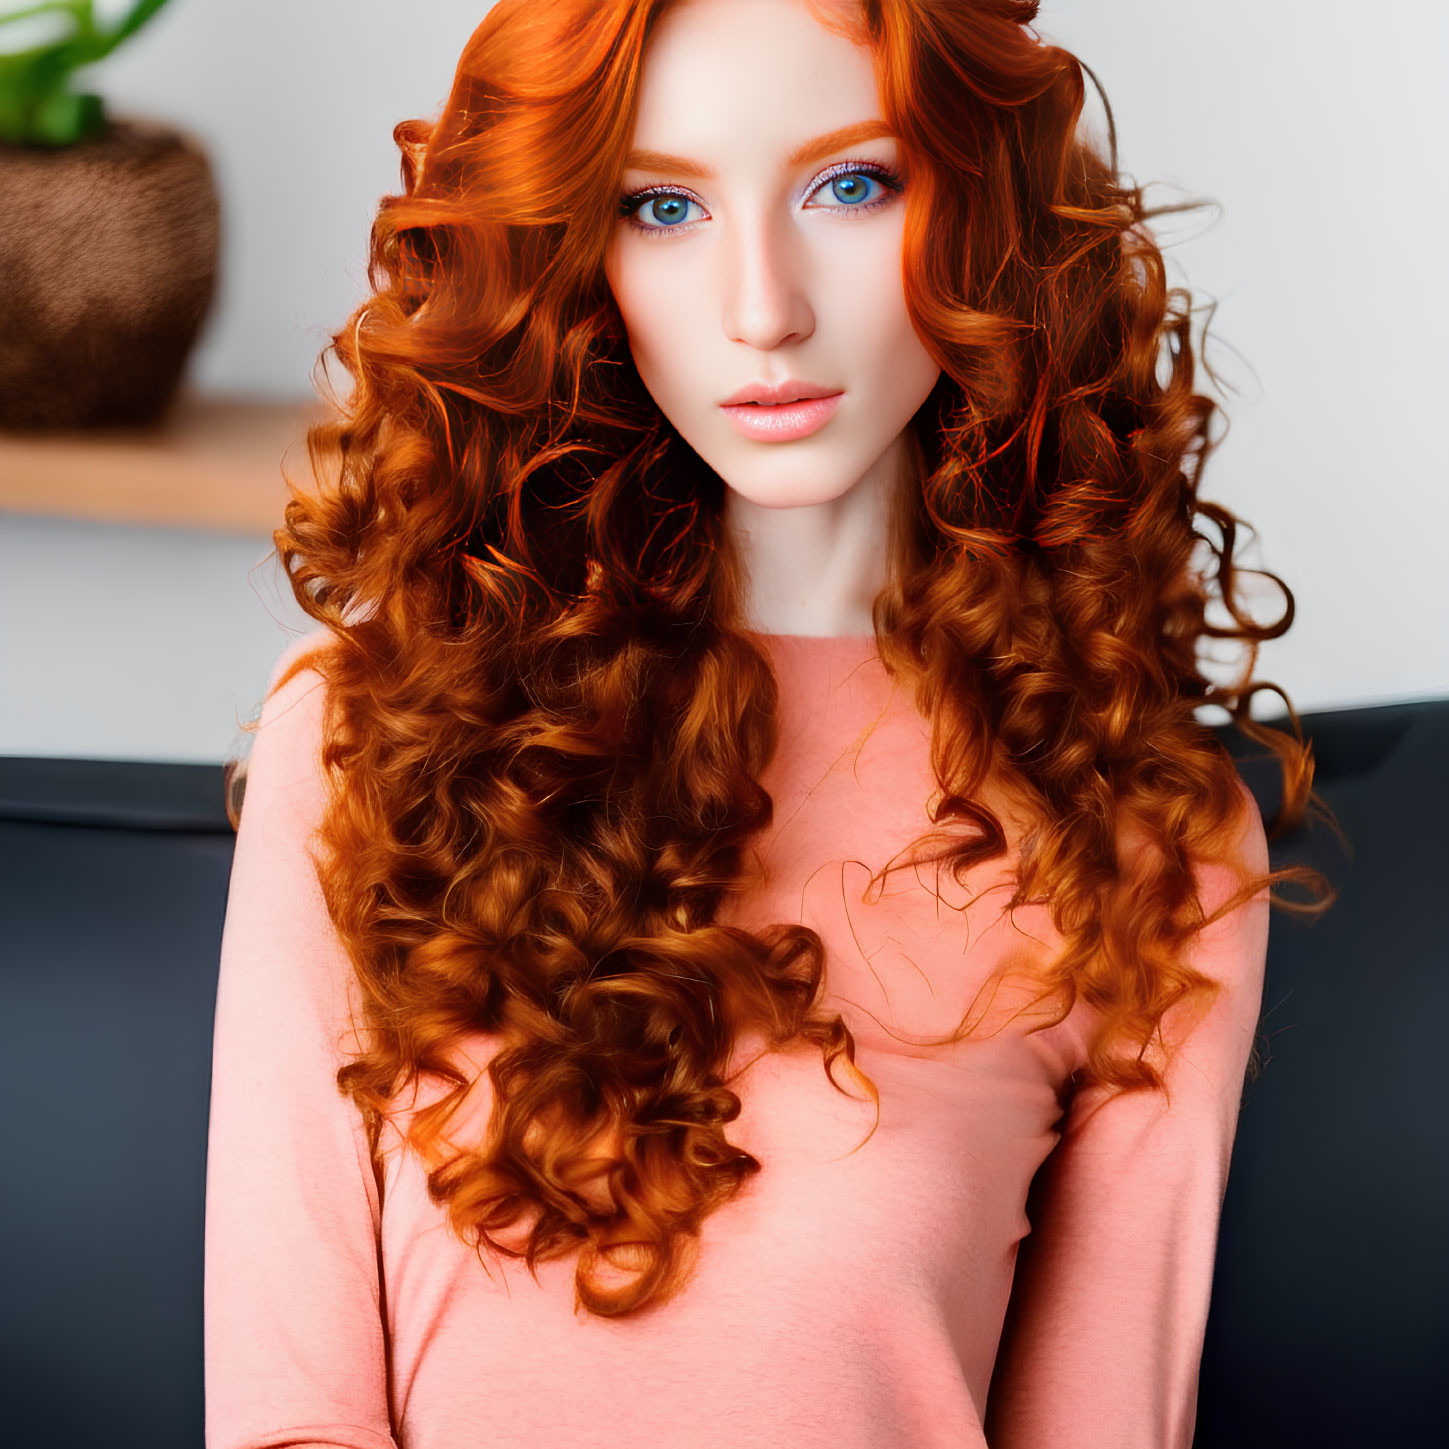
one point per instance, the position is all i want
(108, 261)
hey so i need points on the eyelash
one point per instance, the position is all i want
(888, 178)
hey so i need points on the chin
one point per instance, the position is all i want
(787, 492)
(786, 497)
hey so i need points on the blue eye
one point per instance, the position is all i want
(669, 208)
(848, 182)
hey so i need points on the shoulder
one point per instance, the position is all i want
(1244, 857)
(299, 660)
(1228, 878)
(296, 688)
(1240, 852)
(284, 757)
(1232, 945)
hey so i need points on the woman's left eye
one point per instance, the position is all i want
(848, 185)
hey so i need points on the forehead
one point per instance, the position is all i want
(723, 77)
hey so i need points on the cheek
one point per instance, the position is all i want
(664, 333)
(910, 371)
(638, 297)
(893, 355)
(628, 277)
(915, 371)
(867, 307)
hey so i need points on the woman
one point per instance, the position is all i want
(666, 741)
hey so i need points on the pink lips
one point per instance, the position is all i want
(783, 422)
(779, 412)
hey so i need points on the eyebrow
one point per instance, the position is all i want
(802, 155)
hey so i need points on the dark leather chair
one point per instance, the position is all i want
(1329, 1323)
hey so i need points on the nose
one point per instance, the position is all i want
(765, 268)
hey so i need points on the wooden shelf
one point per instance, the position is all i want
(213, 463)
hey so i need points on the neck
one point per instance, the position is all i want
(816, 569)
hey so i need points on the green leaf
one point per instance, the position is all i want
(63, 118)
(141, 12)
(35, 104)
(73, 8)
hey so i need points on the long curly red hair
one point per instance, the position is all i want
(545, 725)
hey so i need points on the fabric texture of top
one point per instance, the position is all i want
(851, 1296)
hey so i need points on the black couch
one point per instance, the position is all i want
(1329, 1323)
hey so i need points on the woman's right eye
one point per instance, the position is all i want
(665, 210)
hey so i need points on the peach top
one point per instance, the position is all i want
(902, 1294)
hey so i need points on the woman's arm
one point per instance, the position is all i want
(1103, 1336)
(294, 1338)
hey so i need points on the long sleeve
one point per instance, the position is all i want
(295, 1348)
(1103, 1338)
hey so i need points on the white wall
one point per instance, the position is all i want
(1318, 125)
(1315, 124)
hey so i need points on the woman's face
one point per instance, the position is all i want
(768, 250)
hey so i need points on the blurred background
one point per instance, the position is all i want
(141, 612)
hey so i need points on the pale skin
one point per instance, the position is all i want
(775, 267)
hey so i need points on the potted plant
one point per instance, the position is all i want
(109, 236)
